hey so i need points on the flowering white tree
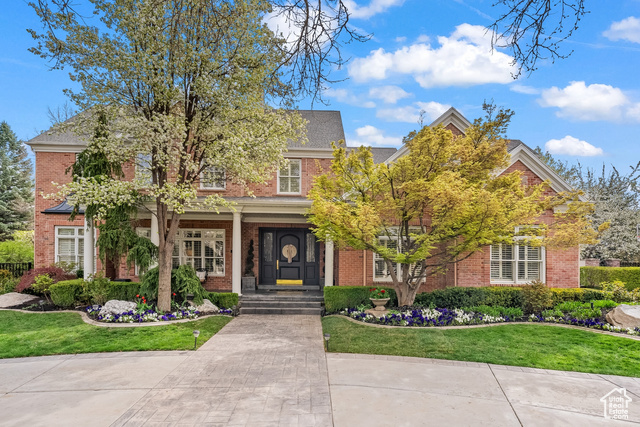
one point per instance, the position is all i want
(179, 86)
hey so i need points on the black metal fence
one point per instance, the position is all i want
(629, 264)
(16, 268)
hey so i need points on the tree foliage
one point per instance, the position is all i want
(180, 86)
(16, 185)
(441, 202)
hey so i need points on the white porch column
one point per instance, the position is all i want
(155, 239)
(328, 262)
(236, 254)
(89, 248)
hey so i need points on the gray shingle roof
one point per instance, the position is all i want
(323, 128)
(513, 143)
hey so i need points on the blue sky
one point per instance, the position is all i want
(425, 55)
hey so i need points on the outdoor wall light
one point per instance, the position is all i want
(196, 333)
(326, 338)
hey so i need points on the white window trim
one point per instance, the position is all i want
(79, 266)
(387, 278)
(204, 187)
(516, 260)
(182, 255)
(299, 161)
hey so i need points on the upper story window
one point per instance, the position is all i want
(289, 178)
(143, 169)
(212, 178)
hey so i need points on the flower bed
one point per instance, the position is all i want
(428, 317)
(148, 315)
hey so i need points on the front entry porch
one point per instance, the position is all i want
(289, 259)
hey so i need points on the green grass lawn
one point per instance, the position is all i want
(535, 346)
(27, 334)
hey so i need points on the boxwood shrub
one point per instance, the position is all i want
(65, 293)
(124, 291)
(338, 298)
(222, 299)
(591, 277)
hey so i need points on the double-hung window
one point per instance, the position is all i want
(517, 263)
(70, 245)
(212, 178)
(201, 249)
(381, 270)
(289, 177)
(143, 169)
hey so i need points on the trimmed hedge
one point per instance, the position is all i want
(591, 277)
(338, 298)
(124, 291)
(222, 299)
(66, 292)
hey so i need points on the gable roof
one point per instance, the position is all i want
(518, 150)
(323, 128)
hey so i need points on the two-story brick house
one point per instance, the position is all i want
(286, 253)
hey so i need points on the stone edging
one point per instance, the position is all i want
(561, 325)
(86, 319)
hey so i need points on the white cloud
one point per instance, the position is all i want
(423, 38)
(401, 39)
(370, 135)
(411, 114)
(389, 94)
(347, 97)
(527, 90)
(627, 29)
(573, 147)
(375, 7)
(590, 103)
(463, 59)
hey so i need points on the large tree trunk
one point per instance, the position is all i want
(167, 238)
(406, 294)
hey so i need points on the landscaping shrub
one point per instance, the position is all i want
(536, 298)
(65, 293)
(222, 299)
(497, 311)
(183, 281)
(42, 284)
(124, 291)
(504, 296)
(97, 289)
(7, 282)
(616, 291)
(55, 273)
(338, 298)
(592, 277)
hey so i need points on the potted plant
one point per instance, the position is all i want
(248, 278)
(379, 297)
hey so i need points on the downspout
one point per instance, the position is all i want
(364, 267)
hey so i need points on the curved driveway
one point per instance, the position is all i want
(272, 371)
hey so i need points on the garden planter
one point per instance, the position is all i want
(249, 283)
(379, 303)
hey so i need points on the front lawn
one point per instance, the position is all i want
(535, 346)
(26, 334)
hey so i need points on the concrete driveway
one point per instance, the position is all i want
(272, 371)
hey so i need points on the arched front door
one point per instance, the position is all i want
(288, 257)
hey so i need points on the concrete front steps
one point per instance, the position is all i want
(282, 302)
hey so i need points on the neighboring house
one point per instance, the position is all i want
(286, 253)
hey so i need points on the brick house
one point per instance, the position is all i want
(286, 253)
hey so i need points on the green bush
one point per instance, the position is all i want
(617, 291)
(7, 282)
(338, 298)
(66, 292)
(536, 298)
(16, 251)
(124, 291)
(497, 311)
(222, 299)
(504, 296)
(97, 289)
(183, 281)
(592, 277)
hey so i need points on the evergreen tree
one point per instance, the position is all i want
(16, 185)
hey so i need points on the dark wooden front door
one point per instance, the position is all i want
(288, 256)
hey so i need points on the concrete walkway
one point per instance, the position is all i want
(272, 371)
